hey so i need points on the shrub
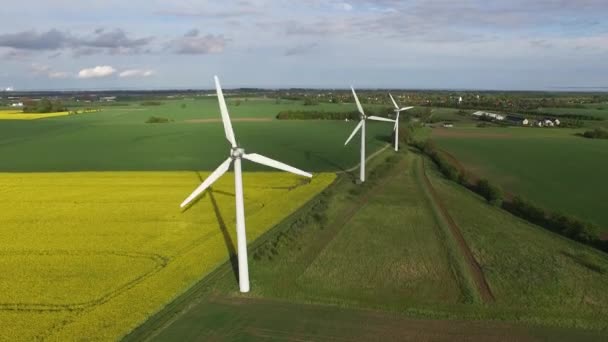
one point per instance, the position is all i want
(598, 133)
(156, 119)
(151, 103)
(574, 228)
(489, 191)
(527, 210)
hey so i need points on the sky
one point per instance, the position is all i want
(411, 44)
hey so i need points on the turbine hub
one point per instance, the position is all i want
(236, 152)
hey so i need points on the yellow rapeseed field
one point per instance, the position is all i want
(91, 255)
(19, 115)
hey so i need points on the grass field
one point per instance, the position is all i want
(19, 115)
(91, 255)
(118, 139)
(384, 248)
(536, 276)
(551, 167)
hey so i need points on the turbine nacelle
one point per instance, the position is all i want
(237, 153)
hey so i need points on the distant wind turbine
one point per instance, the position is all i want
(397, 110)
(236, 154)
(361, 126)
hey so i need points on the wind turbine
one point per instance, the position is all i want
(361, 126)
(236, 154)
(396, 129)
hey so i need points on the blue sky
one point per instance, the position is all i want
(475, 44)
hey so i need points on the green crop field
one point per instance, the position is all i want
(535, 275)
(117, 138)
(552, 167)
(385, 248)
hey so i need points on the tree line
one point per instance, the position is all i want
(563, 224)
(44, 106)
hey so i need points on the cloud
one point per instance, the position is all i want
(115, 41)
(97, 72)
(47, 71)
(136, 73)
(116, 38)
(195, 44)
(192, 33)
(32, 40)
(344, 6)
(301, 49)
(58, 74)
(15, 55)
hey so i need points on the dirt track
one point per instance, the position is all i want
(475, 270)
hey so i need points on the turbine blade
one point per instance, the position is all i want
(392, 99)
(357, 101)
(224, 111)
(260, 159)
(354, 132)
(378, 118)
(406, 108)
(210, 180)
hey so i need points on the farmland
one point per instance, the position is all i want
(90, 204)
(18, 115)
(93, 254)
(117, 138)
(552, 167)
(324, 275)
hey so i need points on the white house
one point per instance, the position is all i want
(17, 104)
(448, 125)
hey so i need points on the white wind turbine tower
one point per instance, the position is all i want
(397, 110)
(361, 126)
(236, 154)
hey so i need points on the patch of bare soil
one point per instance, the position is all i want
(232, 119)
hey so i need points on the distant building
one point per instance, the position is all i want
(517, 120)
(17, 104)
(108, 98)
(557, 122)
(460, 100)
(494, 116)
(448, 125)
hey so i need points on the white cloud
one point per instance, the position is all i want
(47, 71)
(58, 74)
(136, 73)
(346, 6)
(98, 71)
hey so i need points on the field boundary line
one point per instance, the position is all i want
(474, 269)
(366, 159)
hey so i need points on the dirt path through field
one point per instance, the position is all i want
(475, 270)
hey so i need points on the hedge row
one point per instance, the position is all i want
(324, 115)
(568, 226)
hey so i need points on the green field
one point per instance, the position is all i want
(386, 249)
(536, 276)
(117, 138)
(552, 167)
